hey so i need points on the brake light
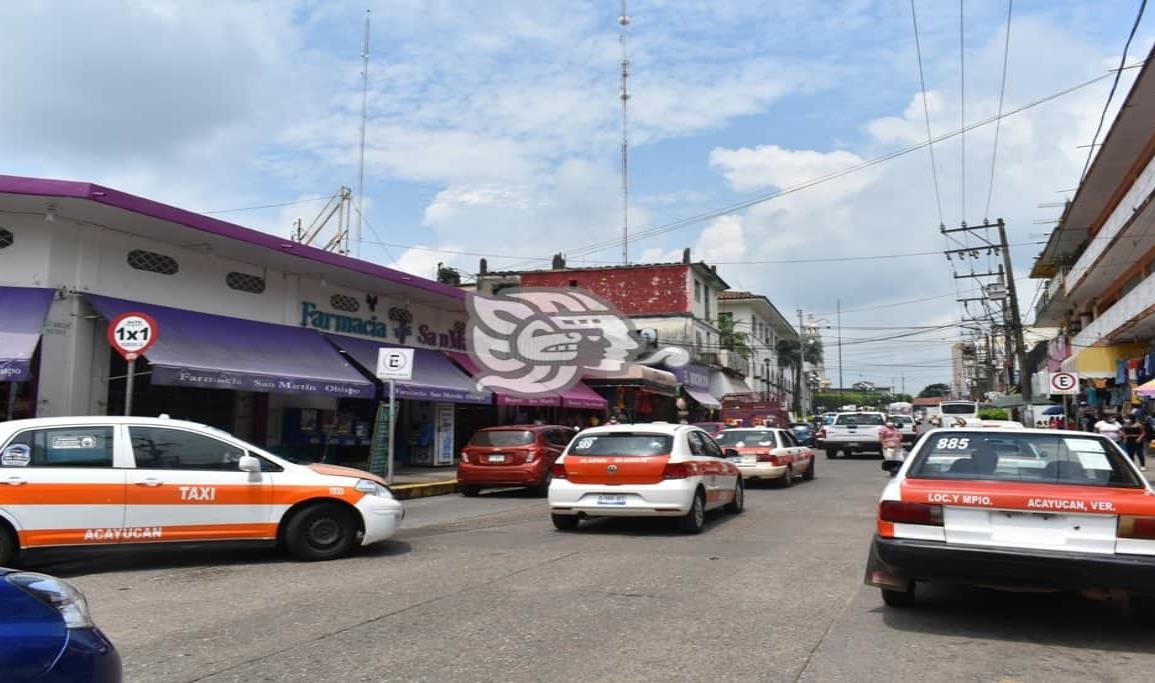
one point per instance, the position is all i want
(532, 454)
(767, 457)
(680, 470)
(558, 470)
(1132, 526)
(910, 513)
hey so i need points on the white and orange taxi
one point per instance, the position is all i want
(643, 470)
(1017, 509)
(97, 481)
(767, 453)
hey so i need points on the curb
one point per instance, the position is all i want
(435, 488)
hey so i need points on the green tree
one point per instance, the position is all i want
(935, 391)
(732, 340)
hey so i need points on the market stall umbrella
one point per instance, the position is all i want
(1053, 410)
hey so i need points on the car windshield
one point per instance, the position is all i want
(738, 438)
(958, 408)
(622, 443)
(858, 419)
(502, 437)
(1081, 459)
(901, 419)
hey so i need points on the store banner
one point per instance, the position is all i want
(22, 314)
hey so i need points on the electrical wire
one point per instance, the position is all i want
(1002, 92)
(1114, 85)
(267, 206)
(962, 113)
(926, 113)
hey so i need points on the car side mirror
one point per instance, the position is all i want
(891, 466)
(248, 463)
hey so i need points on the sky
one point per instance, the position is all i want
(493, 130)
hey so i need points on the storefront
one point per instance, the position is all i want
(24, 310)
(638, 393)
(1109, 377)
(701, 405)
(579, 406)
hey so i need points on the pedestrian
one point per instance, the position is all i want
(891, 439)
(1135, 438)
(1108, 426)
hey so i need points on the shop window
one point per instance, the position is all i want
(6, 238)
(66, 447)
(341, 302)
(160, 448)
(152, 262)
(243, 282)
(697, 291)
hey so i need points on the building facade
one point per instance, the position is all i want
(764, 326)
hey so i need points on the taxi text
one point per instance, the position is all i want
(198, 493)
(959, 499)
(129, 534)
(1076, 505)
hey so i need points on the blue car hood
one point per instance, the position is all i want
(32, 634)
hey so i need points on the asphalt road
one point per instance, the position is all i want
(486, 590)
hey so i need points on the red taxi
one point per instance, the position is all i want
(515, 455)
(1025, 509)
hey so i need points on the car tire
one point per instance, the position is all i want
(8, 546)
(542, 489)
(808, 473)
(1143, 609)
(324, 531)
(831, 453)
(736, 506)
(470, 491)
(565, 522)
(896, 598)
(787, 479)
(695, 519)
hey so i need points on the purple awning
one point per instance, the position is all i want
(578, 396)
(24, 310)
(217, 352)
(434, 377)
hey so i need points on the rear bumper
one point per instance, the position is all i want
(502, 475)
(762, 470)
(893, 561)
(668, 498)
(861, 445)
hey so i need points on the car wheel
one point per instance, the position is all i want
(787, 479)
(324, 531)
(897, 598)
(542, 489)
(735, 506)
(565, 522)
(831, 453)
(695, 519)
(8, 546)
(808, 473)
(470, 491)
(1143, 609)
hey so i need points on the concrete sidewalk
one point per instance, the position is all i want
(420, 482)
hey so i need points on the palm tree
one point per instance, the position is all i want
(732, 340)
(794, 353)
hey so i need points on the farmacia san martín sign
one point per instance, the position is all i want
(398, 328)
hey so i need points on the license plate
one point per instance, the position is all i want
(497, 458)
(749, 460)
(611, 500)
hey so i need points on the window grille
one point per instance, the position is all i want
(152, 262)
(243, 282)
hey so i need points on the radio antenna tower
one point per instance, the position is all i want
(361, 163)
(623, 39)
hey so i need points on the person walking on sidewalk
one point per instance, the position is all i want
(1135, 440)
(1108, 426)
(891, 439)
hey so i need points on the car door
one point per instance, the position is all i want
(725, 473)
(61, 485)
(799, 455)
(187, 486)
(695, 441)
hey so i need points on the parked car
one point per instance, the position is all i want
(515, 455)
(769, 453)
(90, 481)
(804, 434)
(1016, 509)
(644, 470)
(47, 633)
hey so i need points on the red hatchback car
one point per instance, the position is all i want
(514, 455)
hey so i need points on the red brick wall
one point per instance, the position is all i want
(644, 290)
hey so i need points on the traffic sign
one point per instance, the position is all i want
(395, 364)
(1064, 383)
(132, 334)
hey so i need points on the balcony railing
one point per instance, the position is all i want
(1131, 309)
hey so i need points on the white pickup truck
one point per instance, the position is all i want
(852, 433)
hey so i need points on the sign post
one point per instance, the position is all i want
(393, 364)
(1065, 384)
(131, 334)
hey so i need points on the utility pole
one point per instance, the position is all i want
(838, 309)
(623, 38)
(1017, 319)
(361, 162)
(798, 367)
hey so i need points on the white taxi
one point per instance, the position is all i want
(1017, 509)
(91, 481)
(769, 453)
(643, 470)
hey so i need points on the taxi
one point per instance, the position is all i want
(101, 481)
(767, 453)
(1016, 509)
(644, 470)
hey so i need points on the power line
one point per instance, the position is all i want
(1002, 91)
(962, 112)
(267, 206)
(926, 112)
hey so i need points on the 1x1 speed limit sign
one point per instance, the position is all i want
(132, 334)
(1064, 383)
